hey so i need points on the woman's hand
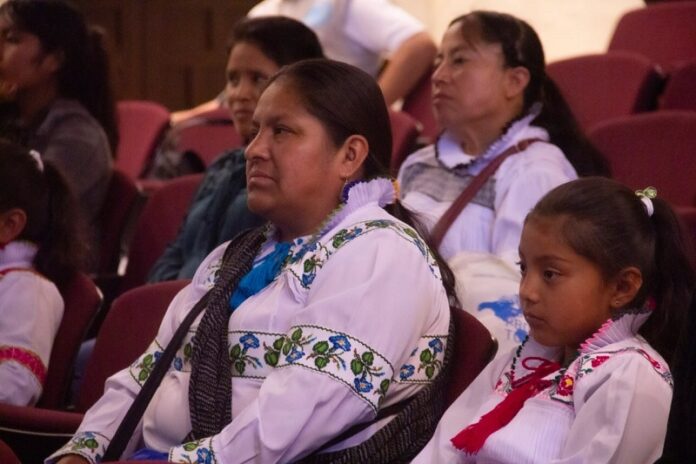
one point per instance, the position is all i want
(73, 459)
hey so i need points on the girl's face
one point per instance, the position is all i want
(564, 296)
(293, 171)
(248, 69)
(23, 63)
(469, 81)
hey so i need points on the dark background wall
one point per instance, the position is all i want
(170, 51)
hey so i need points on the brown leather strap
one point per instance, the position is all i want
(470, 191)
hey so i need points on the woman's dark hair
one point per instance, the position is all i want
(51, 210)
(521, 47)
(84, 74)
(282, 39)
(607, 223)
(348, 101)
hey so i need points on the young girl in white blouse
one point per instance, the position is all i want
(605, 287)
(38, 246)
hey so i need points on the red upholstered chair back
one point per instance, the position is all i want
(7, 456)
(419, 104)
(474, 348)
(130, 326)
(603, 86)
(404, 135)
(82, 301)
(680, 90)
(141, 125)
(664, 33)
(207, 135)
(657, 149)
(158, 225)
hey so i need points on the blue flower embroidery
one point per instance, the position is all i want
(178, 363)
(294, 355)
(362, 385)
(157, 354)
(307, 279)
(340, 342)
(436, 345)
(249, 341)
(204, 456)
(406, 371)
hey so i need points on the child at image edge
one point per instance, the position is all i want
(605, 287)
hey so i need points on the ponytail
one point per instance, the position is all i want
(53, 221)
(94, 90)
(672, 283)
(564, 131)
(61, 251)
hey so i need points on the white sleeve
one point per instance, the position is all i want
(31, 309)
(519, 186)
(621, 413)
(379, 25)
(373, 296)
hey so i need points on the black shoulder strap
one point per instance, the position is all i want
(137, 408)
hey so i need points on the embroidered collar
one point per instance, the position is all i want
(450, 154)
(355, 195)
(624, 325)
(19, 253)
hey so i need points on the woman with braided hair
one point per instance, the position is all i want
(323, 336)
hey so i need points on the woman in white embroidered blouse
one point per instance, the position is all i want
(39, 247)
(490, 93)
(344, 310)
(495, 103)
(605, 288)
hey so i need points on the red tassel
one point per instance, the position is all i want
(472, 438)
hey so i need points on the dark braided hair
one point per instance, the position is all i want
(521, 47)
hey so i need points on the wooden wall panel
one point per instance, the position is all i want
(170, 51)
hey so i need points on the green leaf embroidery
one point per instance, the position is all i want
(384, 386)
(91, 443)
(296, 335)
(278, 343)
(430, 371)
(236, 351)
(356, 366)
(190, 446)
(187, 350)
(287, 347)
(240, 366)
(271, 358)
(321, 362)
(321, 347)
(143, 375)
(426, 356)
(368, 357)
(147, 360)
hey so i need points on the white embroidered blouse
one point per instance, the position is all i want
(433, 177)
(341, 331)
(31, 309)
(610, 405)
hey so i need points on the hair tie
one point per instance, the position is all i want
(37, 158)
(646, 196)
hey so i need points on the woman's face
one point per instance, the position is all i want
(23, 63)
(469, 81)
(248, 69)
(294, 176)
